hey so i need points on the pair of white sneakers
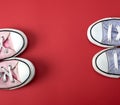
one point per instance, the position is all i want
(14, 72)
(106, 33)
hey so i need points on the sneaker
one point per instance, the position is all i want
(107, 62)
(12, 43)
(105, 32)
(15, 73)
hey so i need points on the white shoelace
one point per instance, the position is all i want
(110, 32)
(4, 73)
(115, 56)
(1, 44)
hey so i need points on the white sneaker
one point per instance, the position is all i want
(107, 62)
(105, 32)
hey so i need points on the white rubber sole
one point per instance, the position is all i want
(89, 35)
(96, 68)
(32, 71)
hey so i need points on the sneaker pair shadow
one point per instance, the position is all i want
(106, 33)
(15, 72)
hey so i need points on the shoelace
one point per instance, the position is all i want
(110, 32)
(115, 56)
(6, 73)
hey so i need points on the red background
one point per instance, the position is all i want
(60, 51)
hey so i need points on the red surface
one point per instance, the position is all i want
(60, 51)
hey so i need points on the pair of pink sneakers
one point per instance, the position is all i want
(14, 72)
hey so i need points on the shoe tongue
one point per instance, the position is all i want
(110, 58)
(13, 63)
(6, 39)
(8, 42)
(105, 25)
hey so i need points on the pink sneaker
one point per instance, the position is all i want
(12, 42)
(15, 73)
